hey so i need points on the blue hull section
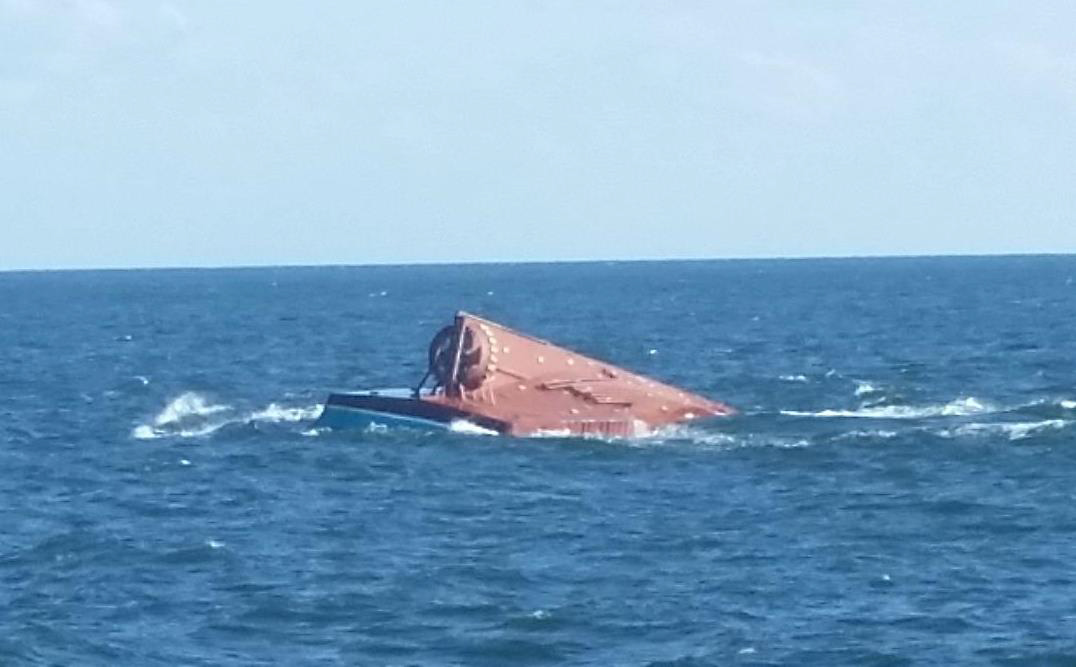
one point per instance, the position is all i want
(339, 417)
(395, 407)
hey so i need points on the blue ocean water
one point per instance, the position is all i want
(899, 489)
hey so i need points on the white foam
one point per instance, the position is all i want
(675, 434)
(1013, 430)
(959, 408)
(278, 413)
(965, 406)
(864, 388)
(186, 416)
(864, 434)
(793, 378)
(202, 431)
(694, 434)
(551, 433)
(184, 406)
(782, 443)
(640, 431)
(469, 428)
(144, 432)
(1063, 403)
(191, 415)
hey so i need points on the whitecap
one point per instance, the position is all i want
(187, 416)
(551, 433)
(1013, 430)
(187, 405)
(469, 428)
(864, 388)
(1061, 403)
(191, 415)
(881, 434)
(692, 434)
(965, 406)
(278, 413)
(147, 432)
(144, 432)
(681, 434)
(203, 431)
(793, 378)
(960, 407)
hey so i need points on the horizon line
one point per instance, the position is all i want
(501, 262)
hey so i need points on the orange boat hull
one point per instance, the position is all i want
(519, 385)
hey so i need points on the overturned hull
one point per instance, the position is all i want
(488, 375)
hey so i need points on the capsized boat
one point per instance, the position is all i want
(488, 376)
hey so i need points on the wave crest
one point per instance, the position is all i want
(1013, 430)
(192, 415)
(469, 428)
(185, 407)
(278, 413)
(961, 407)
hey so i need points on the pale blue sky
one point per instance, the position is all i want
(212, 132)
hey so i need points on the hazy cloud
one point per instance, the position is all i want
(793, 85)
(1043, 65)
(173, 16)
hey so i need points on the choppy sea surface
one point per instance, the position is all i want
(899, 490)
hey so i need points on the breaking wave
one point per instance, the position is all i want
(1050, 405)
(192, 415)
(960, 407)
(676, 434)
(469, 428)
(865, 388)
(866, 434)
(186, 406)
(279, 413)
(1012, 430)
